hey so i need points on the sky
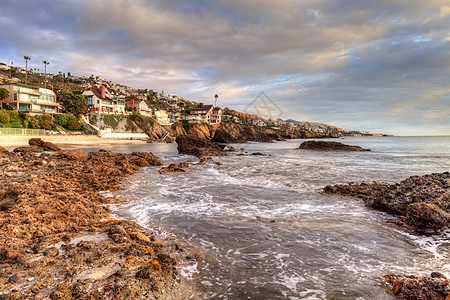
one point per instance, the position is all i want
(380, 66)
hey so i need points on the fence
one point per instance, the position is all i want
(21, 131)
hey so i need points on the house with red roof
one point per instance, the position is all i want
(103, 100)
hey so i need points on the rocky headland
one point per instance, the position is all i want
(57, 239)
(228, 133)
(200, 147)
(329, 146)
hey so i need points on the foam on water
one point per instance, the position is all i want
(267, 233)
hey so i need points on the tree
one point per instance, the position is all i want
(73, 103)
(45, 78)
(4, 93)
(27, 58)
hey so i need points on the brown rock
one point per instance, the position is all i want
(3, 151)
(174, 168)
(28, 149)
(199, 147)
(139, 236)
(47, 146)
(72, 154)
(329, 146)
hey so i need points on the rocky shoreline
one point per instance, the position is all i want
(58, 241)
(422, 202)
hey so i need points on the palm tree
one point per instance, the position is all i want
(27, 58)
(215, 101)
(45, 78)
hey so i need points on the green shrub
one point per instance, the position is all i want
(4, 117)
(45, 121)
(84, 127)
(32, 122)
(93, 120)
(62, 119)
(45, 124)
(111, 121)
(15, 125)
(74, 125)
(14, 116)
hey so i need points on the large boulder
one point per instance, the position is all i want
(329, 146)
(47, 146)
(223, 136)
(199, 147)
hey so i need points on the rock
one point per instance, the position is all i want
(172, 168)
(28, 149)
(425, 215)
(3, 151)
(437, 275)
(14, 278)
(423, 200)
(329, 146)
(223, 136)
(417, 287)
(47, 146)
(9, 198)
(259, 154)
(139, 236)
(199, 147)
(72, 154)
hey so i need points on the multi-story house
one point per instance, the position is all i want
(208, 114)
(30, 99)
(102, 100)
(162, 117)
(140, 106)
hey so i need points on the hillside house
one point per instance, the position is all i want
(208, 114)
(31, 100)
(102, 100)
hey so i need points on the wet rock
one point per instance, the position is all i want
(172, 168)
(417, 287)
(329, 146)
(259, 154)
(425, 215)
(424, 201)
(28, 149)
(199, 147)
(47, 146)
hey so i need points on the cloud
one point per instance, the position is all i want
(356, 64)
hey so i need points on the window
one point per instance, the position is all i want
(15, 96)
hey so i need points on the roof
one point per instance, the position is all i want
(204, 107)
(98, 93)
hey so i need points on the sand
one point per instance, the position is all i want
(10, 142)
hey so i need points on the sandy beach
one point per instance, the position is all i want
(10, 142)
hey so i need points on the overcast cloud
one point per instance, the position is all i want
(381, 66)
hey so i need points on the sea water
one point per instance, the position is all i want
(264, 231)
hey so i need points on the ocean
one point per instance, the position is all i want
(263, 230)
